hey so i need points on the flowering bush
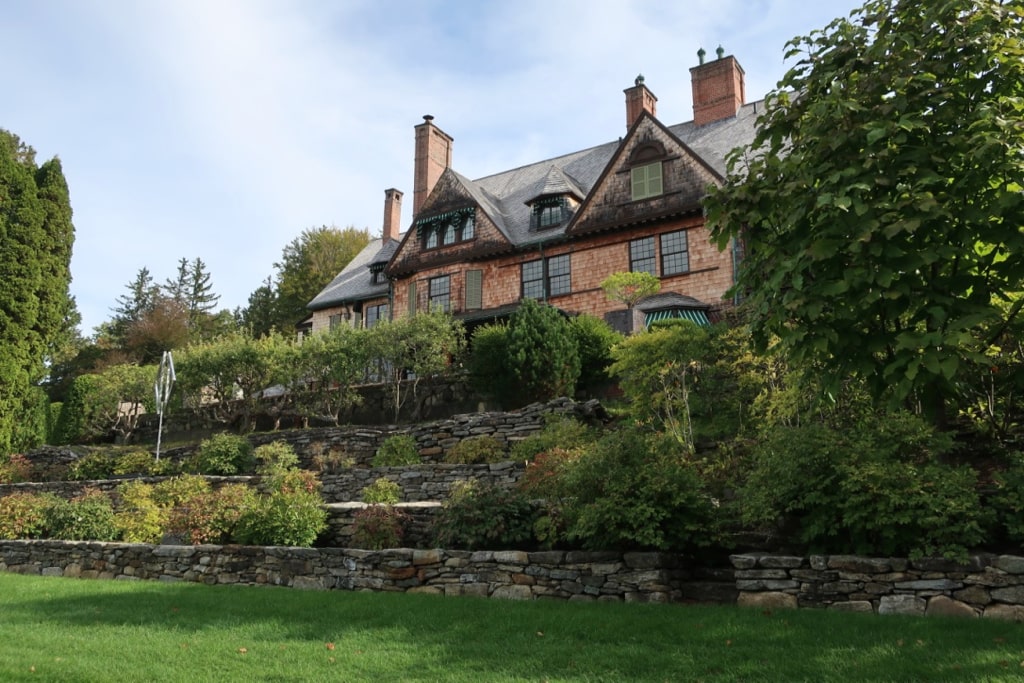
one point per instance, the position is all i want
(376, 527)
(23, 515)
(14, 468)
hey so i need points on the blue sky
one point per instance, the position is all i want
(221, 129)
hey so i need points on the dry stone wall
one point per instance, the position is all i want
(512, 574)
(985, 585)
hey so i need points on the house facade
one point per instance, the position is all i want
(554, 230)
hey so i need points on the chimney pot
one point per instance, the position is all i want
(718, 89)
(433, 156)
(639, 99)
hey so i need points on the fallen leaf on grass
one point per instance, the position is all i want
(242, 650)
(728, 643)
(329, 646)
(540, 634)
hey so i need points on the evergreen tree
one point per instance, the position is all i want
(141, 299)
(542, 352)
(36, 235)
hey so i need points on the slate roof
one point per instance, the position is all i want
(354, 282)
(504, 196)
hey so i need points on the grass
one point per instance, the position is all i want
(57, 629)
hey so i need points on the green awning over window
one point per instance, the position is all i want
(692, 314)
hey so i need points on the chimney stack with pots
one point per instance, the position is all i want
(718, 88)
(433, 156)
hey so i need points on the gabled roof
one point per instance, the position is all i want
(505, 196)
(355, 281)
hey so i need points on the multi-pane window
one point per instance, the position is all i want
(374, 314)
(641, 256)
(450, 228)
(335, 320)
(675, 254)
(646, 180)
(548, 277)
(439, 294)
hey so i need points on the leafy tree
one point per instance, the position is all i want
(657, 371)
(881, 201)
(36, 235)
(232, 372)
(629, 288)
(308, 263)
(105, 403)
(542, 351)
(328, 367)
(412, 348)
(164, 326)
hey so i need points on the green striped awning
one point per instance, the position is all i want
(695, 315)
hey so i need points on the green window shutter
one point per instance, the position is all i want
(412, 298)
(646, 181)
(639, 178)
(474, 290)
(654, 179)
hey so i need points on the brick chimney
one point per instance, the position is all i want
(718, 88)
(392, 214)
(638, 100)
(433, 156)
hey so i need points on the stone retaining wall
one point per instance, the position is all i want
(359, 444)
(630, 577)
(985, 585)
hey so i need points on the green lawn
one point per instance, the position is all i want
(56, 629)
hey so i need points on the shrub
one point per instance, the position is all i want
(211, 516)
(559, 432)
(179, 490)
(636, 490)
(542, 352)
(383, 491)
(876, 490)
(377, 527)
(23, 515)
(222, 454)
(14, 468)
(88, 517)
(334, 460)
(1007, 499)
(594, 341)
(476, 450)
(489, 370)
(91, 467)
(483, 516)
(139, 519)
(275, 457)
(398, 450)
(286, 519)
(141, 462)
(544, 475)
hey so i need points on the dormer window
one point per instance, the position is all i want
(645, 171)
(550, 212)
(377, 272)
(446, 229)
